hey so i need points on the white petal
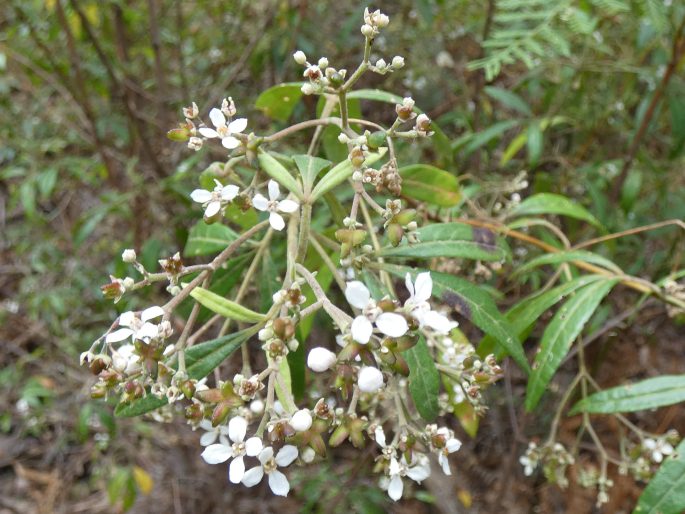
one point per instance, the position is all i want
(445, 463)
(147, 331)
(392, 324)
(278, 483)
(667, 449)
(208, 438)
(274, 191)
(276, 220)
(287, 206)
(424, 287)
(237, 125)
(380, 436)
(453, 445)
(217, 117)
(253, 446)
(119, 335)
(205, 424)
(217, 453)
(230, 142)
(228, 193)
(237, 428)
(260, 202)
(286, 455)
(357, 294)
(236, 471)
(201, 196)
(419, 473)
(253, 476)
(212, 208)
(395, 488)
(438, 322)
(361, 329)
(266, 454)
(208, 132)
(127, 319)
(409, 285)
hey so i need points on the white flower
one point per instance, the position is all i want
(320, 359)
(213, 433)
(128, 256)
(125, 360)
(300, 57)
(452, 444)
(528, 464)
(137, 328)
(419, 293)
(217, 453)
(370, 379)
(418, 470)
(658, 449)
(397, 61)
(273, 205)
(268, 464)
(224, 131)
(212, 200)
(389, 323)
(301, 421)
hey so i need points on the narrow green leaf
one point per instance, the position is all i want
(508, 99)
(424, 380)
(473, 303)
(576, 255)
(665, 493)
(534, 143)
(139, 407)
(528, 310)
(646, 394)
(565, 326)
(278, 102)
(451, 240)
(550, 203)
(206, 239)
(309, 168)
(430, 184)
(472, 142)
(340, 173)
(279, 173)
(224, 306)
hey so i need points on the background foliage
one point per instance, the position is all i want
(585, 96)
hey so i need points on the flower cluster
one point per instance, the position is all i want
(552, 457)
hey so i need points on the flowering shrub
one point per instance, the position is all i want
(350, 233)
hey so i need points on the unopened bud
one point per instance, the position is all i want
(129, 256)
(370, 379)
(320, 359)
(301, 420)
(398, 61)
(300, 57)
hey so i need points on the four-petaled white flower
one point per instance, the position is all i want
(212, 200)
(273, 205)
(139, 328)
(217, 453)
(658, 449)
(452, 444)
(213, 433)
(528, 464)
(389, 323)
(125, 360)
(418, 470)
(223, 130)
(268, 464)
(419, 293)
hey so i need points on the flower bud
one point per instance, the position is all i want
(191, 112)
(301, 420)
(307, 455)
(284, 328)
(398, 61)
(320, 359)
(367, 30)
(128, 256)
(395, 234)
(423, 123)
(323, 63)
(381, 64)
(300, 57)
(370, 379)
(178, 134)
(376, 139)
(257, 406)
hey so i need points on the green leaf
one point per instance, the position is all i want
(472, 142)
(528, 310)
(206, 239)
(575, 255)
(565, 326)
(508, 99)
(430, 184)
(451, 240)
(278, 102)
(550, 203)
(474, 303)
(201, 360)
(309, 168)
(534, 143)
(646, 394)
(277, 171)
(283, 387)
(665, 493)
(224, 306)
(424, 379)
(340, 173)
(375, 94)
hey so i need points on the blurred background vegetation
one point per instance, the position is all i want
(586, 96)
